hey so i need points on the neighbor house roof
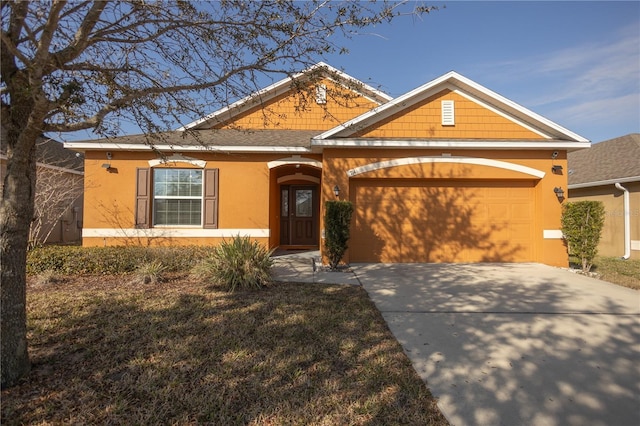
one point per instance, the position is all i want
(608, 162)
(51, 153)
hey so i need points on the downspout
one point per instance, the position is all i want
(627, 222)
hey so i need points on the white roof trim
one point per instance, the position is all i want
(460, 82)
(458, 144)
(457, 160)
(604, 182)
(274, 89)
(99, 146)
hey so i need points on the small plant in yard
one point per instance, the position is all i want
(237, 264)
(150, 272)
(582, 224)
(337, 220)
(47, 277)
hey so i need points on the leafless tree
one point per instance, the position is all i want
(69, 66)
(57, 189)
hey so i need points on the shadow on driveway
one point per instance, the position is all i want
(515, 343)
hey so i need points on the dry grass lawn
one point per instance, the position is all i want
(106, 351)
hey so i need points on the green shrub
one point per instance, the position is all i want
(74, 260)
(337, 220)
(582, 223)
(237, 264)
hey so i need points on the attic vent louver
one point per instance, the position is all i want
(321, 94)
(448, 113)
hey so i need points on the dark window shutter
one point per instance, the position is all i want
(143, 199)
(211, 198)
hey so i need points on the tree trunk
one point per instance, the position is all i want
(16, 212)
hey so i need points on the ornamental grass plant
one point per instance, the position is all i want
(239, 264)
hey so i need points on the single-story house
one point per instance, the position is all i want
(448, 172)
(610, 172)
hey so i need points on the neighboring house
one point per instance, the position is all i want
(449, 172)
(610, 172)
(59, 189)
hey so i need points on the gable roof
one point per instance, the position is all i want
(276, 89)
(614, 160)
(467, 88)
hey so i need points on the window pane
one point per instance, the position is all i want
(181, 185)
(304, 203)
(284, 208)
(178, 212)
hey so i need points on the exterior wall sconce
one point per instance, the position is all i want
(556, 169)
(559, 193)
(336, 190)
(108, 165)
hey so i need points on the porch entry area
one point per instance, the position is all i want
(299, 215)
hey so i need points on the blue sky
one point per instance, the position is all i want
(575, 63)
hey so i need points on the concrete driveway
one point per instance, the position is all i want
(515, 344)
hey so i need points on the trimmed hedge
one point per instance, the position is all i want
(337, 222)
(74, 260)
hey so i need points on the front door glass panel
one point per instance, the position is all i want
(304, 203)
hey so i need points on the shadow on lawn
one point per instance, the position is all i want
(301, 354)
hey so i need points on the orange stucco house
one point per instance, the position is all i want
(449, 172)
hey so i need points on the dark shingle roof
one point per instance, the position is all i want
(613, 159)
(226, 137)
(51, 152)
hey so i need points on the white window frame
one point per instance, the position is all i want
(174, 197)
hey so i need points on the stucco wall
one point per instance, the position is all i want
(612, 240)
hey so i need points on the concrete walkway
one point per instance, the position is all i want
(305, 266)
(515, 344)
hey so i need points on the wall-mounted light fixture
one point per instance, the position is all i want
(106, 166)
(556, 169)
(336, 190)
(559, 192)
(109, 156)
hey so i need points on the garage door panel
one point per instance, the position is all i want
(414, 221)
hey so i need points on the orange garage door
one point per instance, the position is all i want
(442, 221)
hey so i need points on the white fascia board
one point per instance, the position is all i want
(98, 146)
(454, 81)
(458, 144)
(274, 90)
(604, 182)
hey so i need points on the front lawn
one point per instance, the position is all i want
(107, 351)
(614, 270)
(618, 271)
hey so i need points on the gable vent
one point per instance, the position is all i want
(321, 94)
(448, 113)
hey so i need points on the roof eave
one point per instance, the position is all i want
(451, 144)
(604, 182)
(100, 146)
